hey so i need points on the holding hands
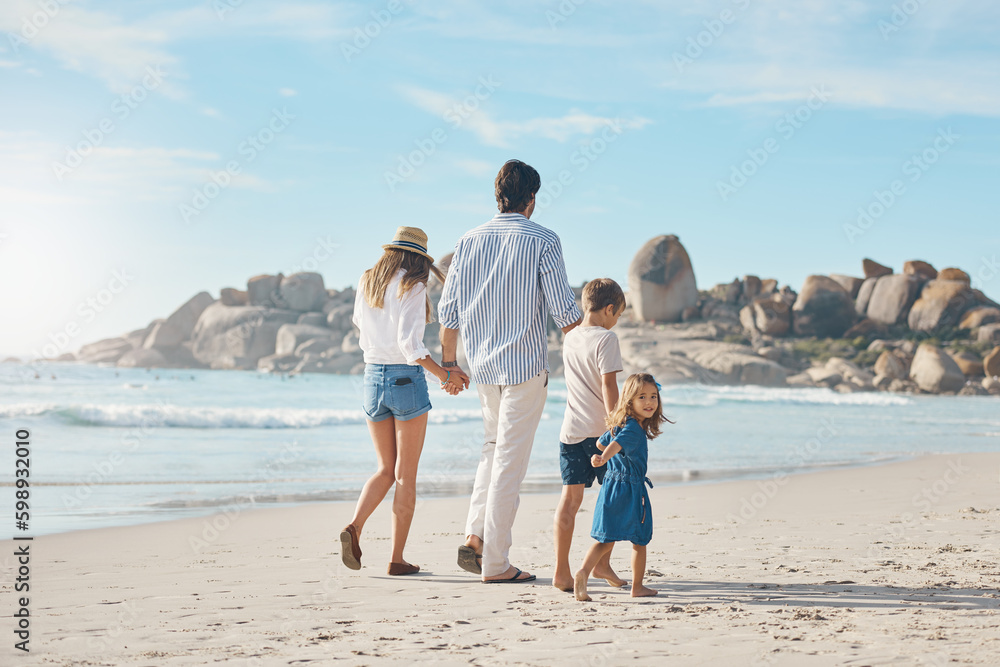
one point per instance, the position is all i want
(454, 380)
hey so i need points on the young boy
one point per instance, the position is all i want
(591, 360)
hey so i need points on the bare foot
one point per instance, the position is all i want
(563, 580)
(643, 591)
(609, 576)
(580, 586)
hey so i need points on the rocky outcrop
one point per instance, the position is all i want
(290, 336)
(873, 269)
(768, 316)
(921, 269)
(991, 363)
(941, 304)
(864, 296)
(230, 296)
(892, 298)
(143, 358)
(661, 281)
(262, 290)
(970, 364)
(954, 274)
(893, 365)
(850, 284)
(978, 316)
(934, 371)
(737, 364)
(237, 337)
(178, 328)
(302, 292)
(989, 333)
(107, 351)
(823, 308)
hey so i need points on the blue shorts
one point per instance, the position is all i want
(395, 390)
(574, 463)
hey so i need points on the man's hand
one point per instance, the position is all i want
(457, 381)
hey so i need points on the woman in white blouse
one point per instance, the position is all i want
(390, 310)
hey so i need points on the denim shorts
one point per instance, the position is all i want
(395, 390)
(574, 463)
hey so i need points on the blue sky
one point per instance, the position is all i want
(753, 130)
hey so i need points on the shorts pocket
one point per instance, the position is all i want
(370, 397)
(402, 397)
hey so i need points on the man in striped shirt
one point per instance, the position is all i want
(503, 278)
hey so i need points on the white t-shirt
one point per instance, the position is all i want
(393, 334)
(588, 353)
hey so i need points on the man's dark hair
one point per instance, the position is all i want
(515, 185)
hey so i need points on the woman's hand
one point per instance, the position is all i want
(455, 380)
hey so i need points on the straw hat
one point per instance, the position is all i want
(412, 239)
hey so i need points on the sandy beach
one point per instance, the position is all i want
(887, 564)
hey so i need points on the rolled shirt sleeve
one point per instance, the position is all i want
(555, 286)
(448, 304)
(412, 320)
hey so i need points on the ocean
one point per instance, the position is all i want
(114, 446)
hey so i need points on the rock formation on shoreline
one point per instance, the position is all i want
(921, 330)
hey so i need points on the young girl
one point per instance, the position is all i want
(622, 512)
(390, 311)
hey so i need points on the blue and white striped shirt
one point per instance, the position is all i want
(502, 279)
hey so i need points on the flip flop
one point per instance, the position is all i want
(350, 551)
(469, 560)
(512, 580)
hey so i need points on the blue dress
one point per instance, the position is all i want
(622, 513)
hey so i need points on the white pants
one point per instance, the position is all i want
(510, 418)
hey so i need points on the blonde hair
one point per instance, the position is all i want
(623, 410)
(375, 281)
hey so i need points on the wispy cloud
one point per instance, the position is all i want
(502, 133)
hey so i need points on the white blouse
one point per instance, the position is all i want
(393, 334)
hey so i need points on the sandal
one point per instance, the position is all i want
(350, 550)
(469, 560)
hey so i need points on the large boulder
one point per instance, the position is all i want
(823, 308)
(934, 371)
(941, 304)
(954, 274)
(970, 364)
(340, 318)
(290, 336)
(277, 363)
(738, 364)
(320, 346)
(178, 327)
(230, 296)
(661, 280)
(443, 264)
(873, 269)
(891, 298)
(978, 316)
(920, 269)
(751, 288)
(262, 290)
(303, 292)
(771, 316)
(315, 319)
(849, 283)
(107, 351)
(989, 333)
(143, 358)
(991, 363)
(237, 336)
(892, 365)
(864, 296)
